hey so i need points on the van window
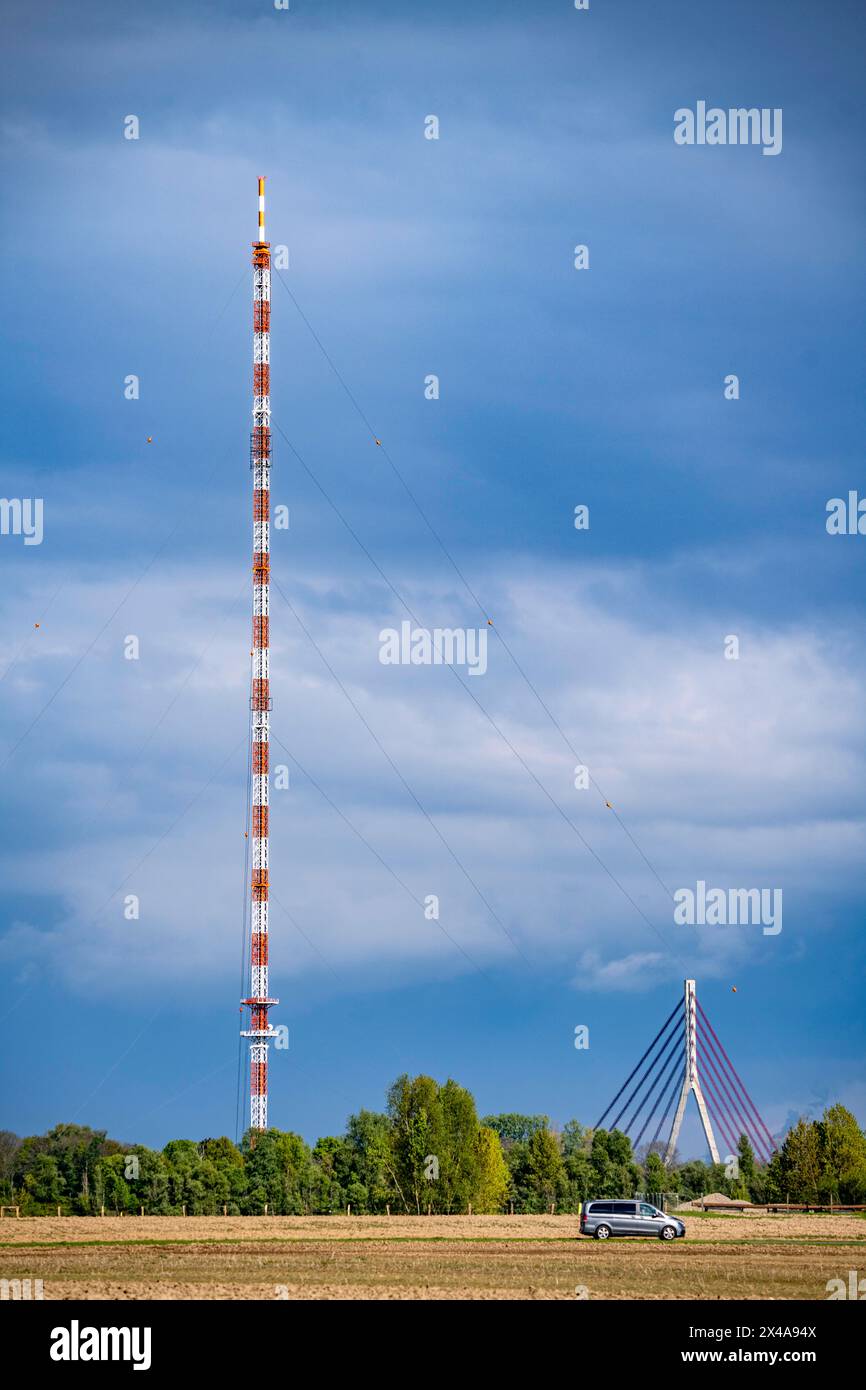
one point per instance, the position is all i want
(604, 1207)
(623, 1208)
(646, 1209)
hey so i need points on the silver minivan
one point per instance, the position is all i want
(608, 1217)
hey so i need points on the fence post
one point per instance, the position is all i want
(225, 1210)
(387, 1208)
(141, 1213)
(184, 1208)
(470, 1208)
(58, 1211)
(266, 1208)
(349, 1209)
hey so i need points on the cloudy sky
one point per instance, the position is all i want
(410, 257)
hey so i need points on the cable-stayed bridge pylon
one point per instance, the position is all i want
(686, 1058)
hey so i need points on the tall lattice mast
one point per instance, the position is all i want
(259, 1001)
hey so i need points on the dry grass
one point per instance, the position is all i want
(484, 1257)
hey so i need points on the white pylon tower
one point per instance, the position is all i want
(259, 1001)
(691, 1082)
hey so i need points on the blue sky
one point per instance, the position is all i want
(557, 387)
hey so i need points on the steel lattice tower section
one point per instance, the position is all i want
(691, 1081)
(259, 1000)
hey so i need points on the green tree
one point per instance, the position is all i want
(841, 1155)
(579, 1180)
(110, 1186)
(43, 1184)
(515, 1129)
(416, 1139)
(545, 1169)
(615, 1172)
(151, 1185)
(742, 1186)
(370, 1187)
(691, 1179)
(493, 1179)
(186, 1177)
(333, 1163)
(656, 1178)
(280, 1172)
(225, 1175)
(576, 1139)
(264, 1173)
(459, 1170)
(9, 1146)
(77, 1149)
(436, 1158)
(797, 1174)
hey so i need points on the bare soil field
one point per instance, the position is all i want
(446, 1257)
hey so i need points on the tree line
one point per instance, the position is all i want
(427, 1151)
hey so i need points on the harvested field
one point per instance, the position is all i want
(483, 1257)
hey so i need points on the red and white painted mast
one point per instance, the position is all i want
(259, 1000)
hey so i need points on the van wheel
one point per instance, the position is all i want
(667, 1233)
(602, 1232)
